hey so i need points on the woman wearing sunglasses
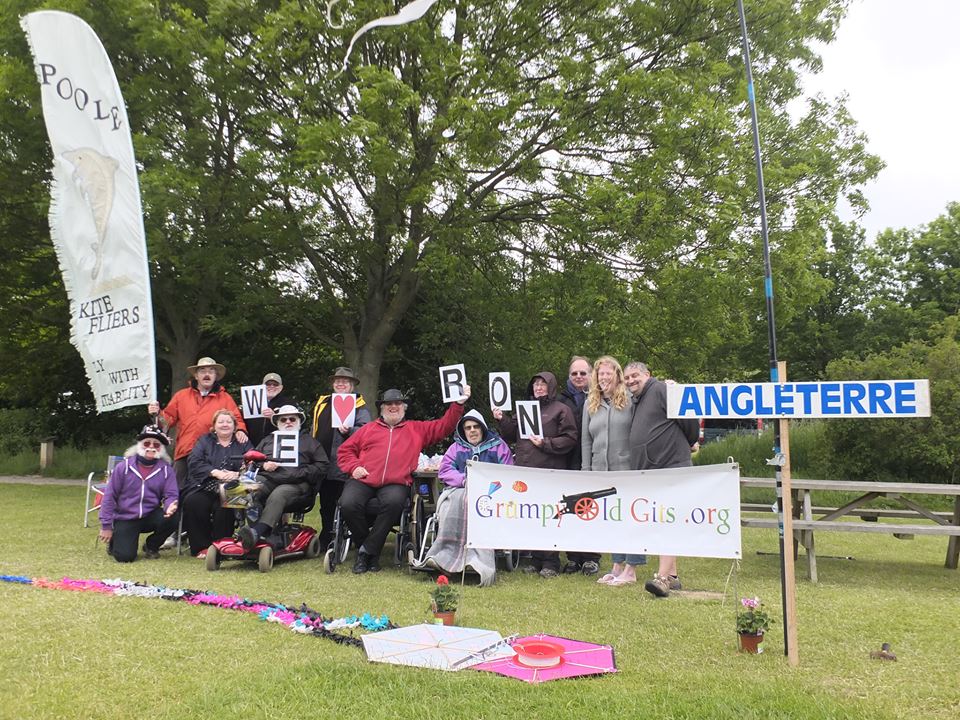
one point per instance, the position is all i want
(140, 497)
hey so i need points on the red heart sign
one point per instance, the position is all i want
(343, 405)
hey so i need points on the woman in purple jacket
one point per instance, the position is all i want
(141, 496)
(473, 440)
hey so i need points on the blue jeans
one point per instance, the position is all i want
(629, 559)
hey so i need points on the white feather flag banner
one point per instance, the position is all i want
(408, 13)
(96, 221)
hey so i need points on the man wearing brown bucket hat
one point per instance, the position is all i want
(190, 411)
(343, 380)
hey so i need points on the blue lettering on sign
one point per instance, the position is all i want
(904, 397)
(830, 398)
(690, 402)
(853, 393)
(807, 390)
(716, 400)
(783, 399)
(879, 394)
(737, 393)
(761, 409)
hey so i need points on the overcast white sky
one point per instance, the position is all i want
(899, 60)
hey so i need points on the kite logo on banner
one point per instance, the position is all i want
(96, 222)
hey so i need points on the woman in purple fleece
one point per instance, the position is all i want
(141, 496)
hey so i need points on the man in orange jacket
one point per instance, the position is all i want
(379, 458)
(191, 410)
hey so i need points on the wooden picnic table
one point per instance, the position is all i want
(810, 518)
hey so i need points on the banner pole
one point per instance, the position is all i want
(771, 321)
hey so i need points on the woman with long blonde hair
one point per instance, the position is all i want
(605, 444)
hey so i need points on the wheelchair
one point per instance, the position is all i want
(425, 525)
(404, 533)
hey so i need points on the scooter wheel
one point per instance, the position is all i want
(313, 547)
(265, 561)
(213, 558)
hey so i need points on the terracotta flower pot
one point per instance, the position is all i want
(448, 617)
(750, 643)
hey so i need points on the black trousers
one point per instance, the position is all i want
(353, 509)
(546, 559)
(581, 557)
(330, 491)
(180, 470)
(204, 519)
(126, 534)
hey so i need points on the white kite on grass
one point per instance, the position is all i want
(408, 13)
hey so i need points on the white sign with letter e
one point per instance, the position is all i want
(529, 420)
(286, 448)
(500, 391)
(452, 380)
(254, 399)
(343, 409)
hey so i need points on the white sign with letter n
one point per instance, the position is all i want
(529, 420)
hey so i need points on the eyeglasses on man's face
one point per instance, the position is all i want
(288, 419)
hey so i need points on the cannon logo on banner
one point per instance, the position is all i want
(850, 399)
(692, 511)
(286, 448)
(453, 378)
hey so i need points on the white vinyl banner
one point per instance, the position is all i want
(96, 222)
(694, 511)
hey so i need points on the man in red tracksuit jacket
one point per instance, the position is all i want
(379, 459)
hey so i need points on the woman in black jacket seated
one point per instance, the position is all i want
(282, 485)
(217, 458)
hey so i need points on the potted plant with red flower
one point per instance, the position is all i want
(444, 600)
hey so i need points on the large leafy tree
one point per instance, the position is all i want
(567, 176)
(556, 134)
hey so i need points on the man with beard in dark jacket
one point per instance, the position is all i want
(550, 450)
(574, 396)
(657, 442)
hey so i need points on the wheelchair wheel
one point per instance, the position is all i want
(265, 560)
(511, 560)
(329, 565)
(418, 525)
(313, 549)
(213, 558)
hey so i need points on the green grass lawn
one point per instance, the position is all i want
(84, 655)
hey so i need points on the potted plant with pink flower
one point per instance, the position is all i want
(752, 623)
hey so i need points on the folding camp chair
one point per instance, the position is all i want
(96, 487)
